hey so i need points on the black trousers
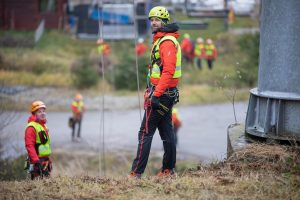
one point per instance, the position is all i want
(162, 120)
(78, 124)
(175, 130)
(210, 64)
(199, 63)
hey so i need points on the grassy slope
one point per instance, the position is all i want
(54, 53)
(257, 172)
(49, 63)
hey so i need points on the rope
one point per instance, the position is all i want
(100, 36)
(136, 61)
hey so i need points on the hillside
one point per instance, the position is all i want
(256, 172)
(49, 65)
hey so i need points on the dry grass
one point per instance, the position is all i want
(257, 172)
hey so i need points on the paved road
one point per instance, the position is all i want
(202, 136)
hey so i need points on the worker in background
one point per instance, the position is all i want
(104, 51)
(161, 94)
(141, 48)
(231, 16)
(187, 48)
(199, 52)
(210, 52)
(103, 47)
(37, 142)
(77, 109)
(176, 123)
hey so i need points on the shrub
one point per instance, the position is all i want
(125, 73)
(249, 45)
(84, 74)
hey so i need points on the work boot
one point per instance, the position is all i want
(166, 173)
(134, 175)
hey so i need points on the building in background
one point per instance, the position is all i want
(27, 14)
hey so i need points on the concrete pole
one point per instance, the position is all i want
(274, 106)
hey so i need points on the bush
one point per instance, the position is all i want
(12, 169)
(125, 73)
(84, 74)
(249, 45)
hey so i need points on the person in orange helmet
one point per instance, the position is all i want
(77, 109)
(37, 142)
(141, 48)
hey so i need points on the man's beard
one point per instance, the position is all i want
(155, 29)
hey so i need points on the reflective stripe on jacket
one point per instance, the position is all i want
(156, 70)
(210, 51)
(43, 145)
(200, 50)
(77, 106)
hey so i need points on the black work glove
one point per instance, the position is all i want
(155, 102)
(39, 166)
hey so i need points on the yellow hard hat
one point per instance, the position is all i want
(160, 12)
(37, 105)
(186, 35)
(78, 96)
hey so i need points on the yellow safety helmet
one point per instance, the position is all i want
(160, 12)
(186, 35)
(78, 96)
(37, 105)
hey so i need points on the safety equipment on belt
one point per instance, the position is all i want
(160, 12)
(37, 105)
(42, 168)
(71, 122)
(155, 102)
(156, 65)
(42, 141)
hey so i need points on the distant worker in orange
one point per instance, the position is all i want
(187, 48)
(141, 48)
(77, 109)
(210, 52)
(176, 123)
(37, 142)
(231, 16)
(104, 51)
(199, 52)
(103, 47)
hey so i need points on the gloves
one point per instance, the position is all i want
(155, 102)
(38, 166)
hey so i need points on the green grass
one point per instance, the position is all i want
(49, 62)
